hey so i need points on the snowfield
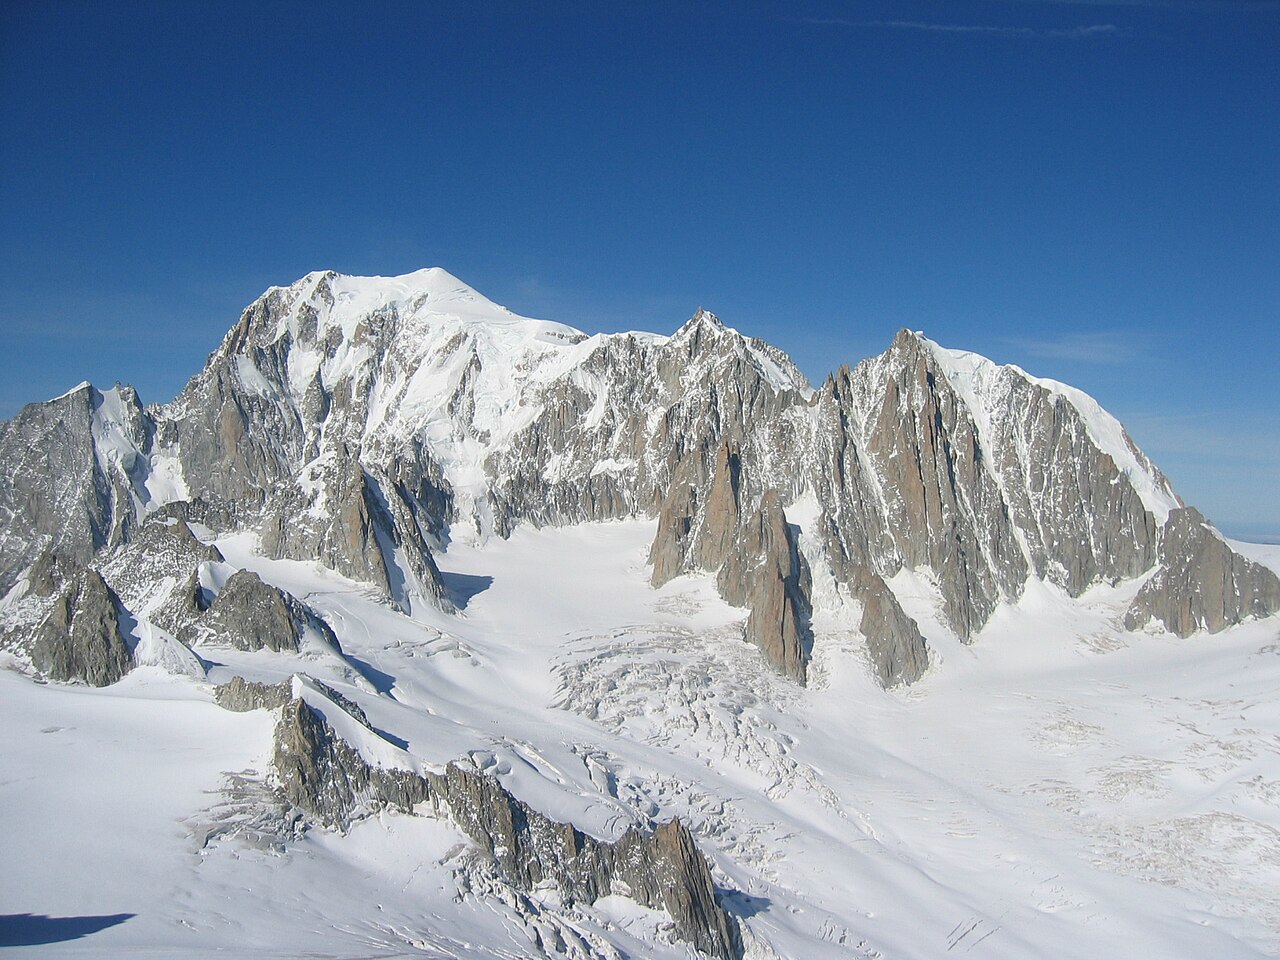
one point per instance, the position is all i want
(1059, 788)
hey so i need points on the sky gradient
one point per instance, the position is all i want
(1090, 190)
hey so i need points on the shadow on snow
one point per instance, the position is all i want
(31, 929)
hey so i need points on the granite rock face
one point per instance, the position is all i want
(765, 573)
(50, 573)
(251, 615)
(359, 535)
(284, 423)
(899, 654)
(1201, 583)
(755, 558)
(150, 569)
(637, 416)
(240, 695)
(80, 639)
(73, 468)
(327, 778)
(923, 458)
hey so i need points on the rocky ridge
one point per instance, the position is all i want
(1201, 583)
(330, 780)
(363, 422)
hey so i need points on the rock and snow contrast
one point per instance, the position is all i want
(413, 627)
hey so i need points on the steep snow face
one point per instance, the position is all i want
(122, 444)
(394, 355)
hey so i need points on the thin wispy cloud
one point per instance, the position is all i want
(1094, 31)
(1101, 348)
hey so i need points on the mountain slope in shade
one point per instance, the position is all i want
(382, 504)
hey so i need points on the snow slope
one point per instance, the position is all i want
(1060, 788)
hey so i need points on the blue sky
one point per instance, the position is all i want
(1088, 189)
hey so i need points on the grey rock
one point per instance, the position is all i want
(345, 537)
(722, 512)
(50, 574)
(765, 573)
(324, 776)
(162, 551)
(1081, 519)
(80, 639)
(755, 556)
(675, 528)
(983, 495)
(1201, 583)
(252, 615)
(240, 695)
(941, 507)
(62, 489)
(659, 414)
(899, 653)
(663, 869)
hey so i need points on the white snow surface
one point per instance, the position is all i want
(1060, 788)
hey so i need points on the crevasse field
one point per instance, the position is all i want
(1059, 788)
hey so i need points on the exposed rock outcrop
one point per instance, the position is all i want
(50, 574)
(162, 553)
(764, 572)
(72, 468)
(1201, 583)
(80, 639)
(721, 512)
(252, 615)
(675, 528)
(361, 530)
(240, 695)
(898, 651)
(326, 777)
(755, 557)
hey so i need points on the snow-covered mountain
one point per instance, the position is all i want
(494, 570)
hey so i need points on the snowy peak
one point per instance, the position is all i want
(363, 421)
(325, 300)
(706, 337)
(703, 321)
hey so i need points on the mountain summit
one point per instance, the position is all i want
(363, 422)
(291, 526)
